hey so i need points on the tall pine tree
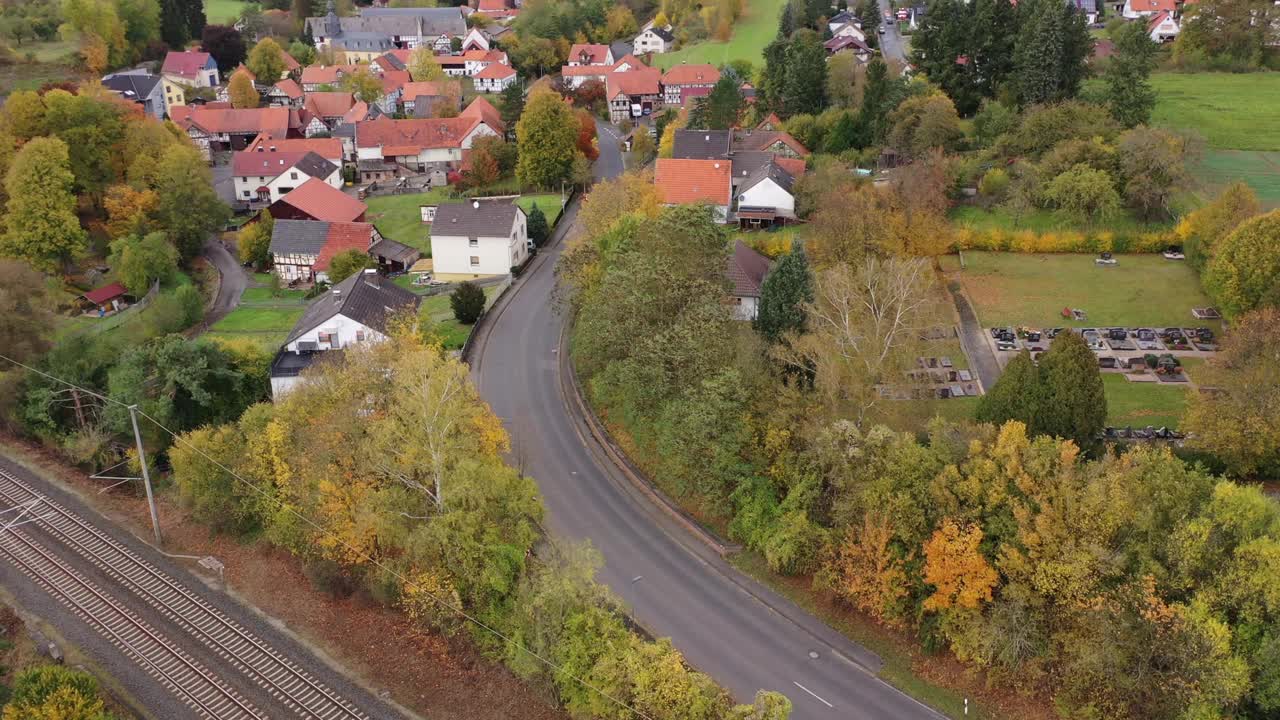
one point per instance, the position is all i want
(1129, 93)
(1017, 395)
(805, 88)
(1074, 402)
(1052, 48)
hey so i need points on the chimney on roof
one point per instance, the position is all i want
(337, 296)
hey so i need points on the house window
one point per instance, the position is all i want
(360, 336)
(247, 193)
(473, 242)
(475, 261)
(325, 337)
(293, 176)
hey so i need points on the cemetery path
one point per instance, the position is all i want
(981, 358)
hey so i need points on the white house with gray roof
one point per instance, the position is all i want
(478, 238)
(356, 311)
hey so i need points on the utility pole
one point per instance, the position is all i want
(146, 477)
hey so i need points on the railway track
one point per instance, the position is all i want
(292, 686)
(200, 689)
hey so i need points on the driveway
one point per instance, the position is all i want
(892, 45)
(974, 340)
(234, 280)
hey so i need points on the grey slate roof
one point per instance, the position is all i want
(392, 250)
(746, 162)
(475, 219)
(700, 144)
(388, 22)
(768, 170)
(140, 84)
(315, 166)
(747, 270)
(298, 237)
(663, 33)
(368, 298)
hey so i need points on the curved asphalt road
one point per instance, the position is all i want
(738, 631)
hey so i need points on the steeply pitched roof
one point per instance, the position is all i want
(700, 144)
(325, 74)
(322, 202)
(589, 54)
(495, 71)
(319, 238)
(358, 112)
(391, 61)
(771, 171)
(291, 89)
(106, 293)
(645, 81)
(662, 33)
(484, 111)
(683, 181)
(747, 270)
(393, 80)
(274, 120)
(186, 64)
(327, 148)
(343, 236)
(1153, 6)
(1154, 21)
(133, 86)
(328, 104)
(368, 298)
(691, 75)
(431, 88)
(475, 218)
(409, 137)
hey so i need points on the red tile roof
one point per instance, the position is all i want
(289, 63)
(409, 137)
(105, 294)
(291, 89)
(1157, 19)
(343, 236)
(633, 82)
(431, 88)
(222, 120)
(263, 164)
(185, 64)
(690, 181)
(495, 71)
(691, 75)
(242, 69)
(327, 148)
(358, 112)
(393, 80)
(585, 70)
(328, 104)
(595, 54)
(1152, 6)
(484, 111)
(322, 202)
(325, 74)
(794, 167)
(486, 6)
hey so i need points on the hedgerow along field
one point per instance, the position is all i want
(1238, 115)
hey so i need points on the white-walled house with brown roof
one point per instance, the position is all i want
(267, 176)
(478, 238)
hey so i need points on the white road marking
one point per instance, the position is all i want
(824, 702)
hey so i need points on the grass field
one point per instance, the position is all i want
(1044, 221)
(1238, 115)
(753, 31)
(437, 309)
(261, 318)
(223, 11)
(1032, 290)
(1131, 404)
(398, 216)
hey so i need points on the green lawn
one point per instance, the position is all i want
(398, 216)
(1139, 404)
(437, 309)
(1032, 289)
(753, 31)
(1238, 115)
(249, 319)
(256, 295)
(223, 11)
(1042, 221)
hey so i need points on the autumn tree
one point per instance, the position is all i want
(611, 199)
(869, 573)
(253, 243)
(25, 311)
(424, 67)
(1083, 194)
(956, 568)
(266, 61)
(242, 92)
(1017, 395)
(54, 691)
(43, 228)
(547, 139)
(1153, 164)
(482, 168)
(921, 124)
(129, 210)
(189, 208)
(348, 263)
(1232, 417)
(586, 139)
(620, 23)
(1200, 230)
(1242, 274)
(138, 261)
(666, 144)
(364, 85)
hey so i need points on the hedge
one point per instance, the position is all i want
(1070, 241)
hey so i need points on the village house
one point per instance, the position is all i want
(633, 94)
(683, 83)
(374, 30)
(391, 60)
(747, 271)
(850, 30)
(328, 148)
(325, 110)
(286, 93)
(424, 99)
(654, 40)
(216, 129)
(1163, 28)
(317, 200)
(495, 78)
(846, 43)
(763, 197)
(682, 182)
(140, 87)
(777, 142)
(427, 144)
(476, 60)
(478, 238)
(189, 69)
(1134, 9)
(301, 249)
(356, 311)
(475, 40)
(266, 176)
(842, 18)
(497, 10)
(317, 77)
(587, 54)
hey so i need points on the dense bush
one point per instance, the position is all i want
(467, 302)
(1067, 241)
